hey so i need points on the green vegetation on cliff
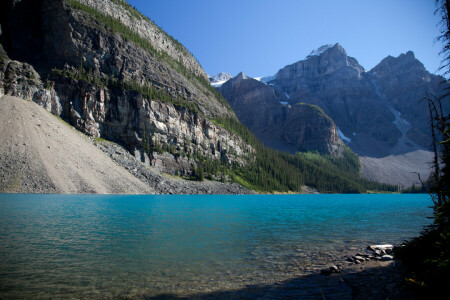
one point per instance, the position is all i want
(148, 91)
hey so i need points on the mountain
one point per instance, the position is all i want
(378, 111)
(219, 79)
(300, 127)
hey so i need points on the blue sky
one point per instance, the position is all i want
(259, 37)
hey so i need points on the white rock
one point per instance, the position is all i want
(387, 257)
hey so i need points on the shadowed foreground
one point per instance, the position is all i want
(370, 280)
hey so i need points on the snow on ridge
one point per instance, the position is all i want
(287, 95)
(221, 76)
(219, 79)
(321, 50)
(343, 137)
(218, 83)
(265, 79)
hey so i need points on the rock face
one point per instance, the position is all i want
(300, 127)
(377, 111)
(114, 74)
(20, 79)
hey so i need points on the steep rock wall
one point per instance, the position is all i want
(73, 42)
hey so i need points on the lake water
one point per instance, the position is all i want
(103, 246)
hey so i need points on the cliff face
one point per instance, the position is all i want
(299, 127)
(114, 74)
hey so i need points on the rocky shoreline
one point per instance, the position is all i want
(369, 279)
(372, 273)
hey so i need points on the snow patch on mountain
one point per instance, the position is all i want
(265, 79)
(343, 137)
(319, 51)
(218, 83)
(219, 79)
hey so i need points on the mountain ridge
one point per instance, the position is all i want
(346, 92)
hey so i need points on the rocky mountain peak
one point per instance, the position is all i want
(405, 63)
(240, 76)
(131, 94)
(222, 76)
(327, 48)
(324, 61)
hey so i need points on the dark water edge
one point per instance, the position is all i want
(103, 246)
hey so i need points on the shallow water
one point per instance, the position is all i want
(107, 246)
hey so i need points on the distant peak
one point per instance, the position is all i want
(406, 57)
(320, 50)
(410, 54)
(219, 79)
(241, 76)
(325, 48)
(221, 76)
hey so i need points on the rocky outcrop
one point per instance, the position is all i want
(308, 128)
(328, 62)
(21, 80)
(114, 74)
(299, 127)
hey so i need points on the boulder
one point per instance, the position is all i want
(387, 257)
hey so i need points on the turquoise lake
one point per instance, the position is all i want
(108, 246)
